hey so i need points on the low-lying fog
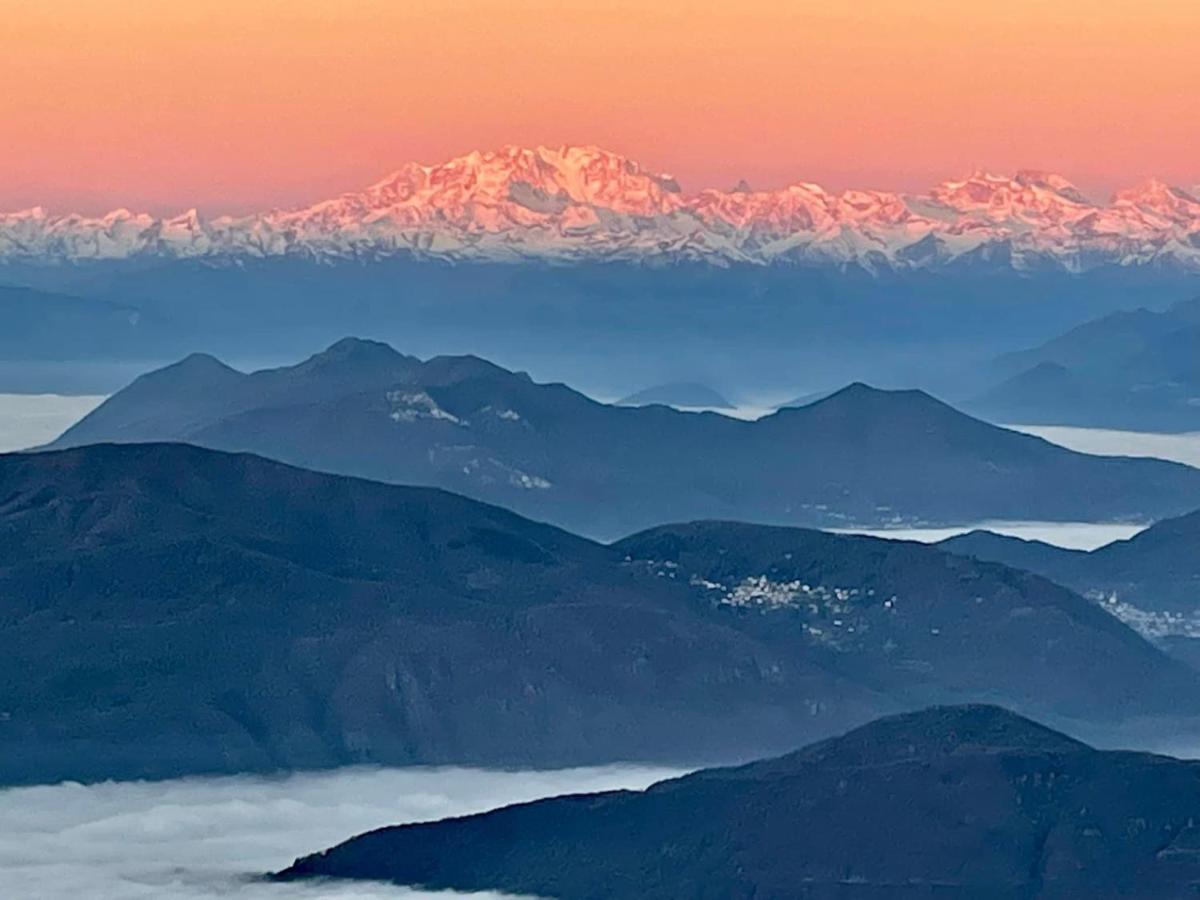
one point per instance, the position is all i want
(197, 838)
(1184, 448)
(27, 420)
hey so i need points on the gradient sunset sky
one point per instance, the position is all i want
(161, 104)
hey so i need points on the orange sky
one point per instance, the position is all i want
(228, 105)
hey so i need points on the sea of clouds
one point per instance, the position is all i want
(28, 420)
(1184, 448)
(203, 838)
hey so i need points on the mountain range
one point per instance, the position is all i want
(585, 203)
(1137, 369)
(861, 456)
(960, 802)
(168, 610)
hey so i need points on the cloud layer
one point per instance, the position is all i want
(1184, 448)
(191, 839)
(27, 420)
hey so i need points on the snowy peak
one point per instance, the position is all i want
(542, 179)
(585, 203)
(1029, 196)
(523, 202)
(1161, 199)
(798, 207)
(1049, 181)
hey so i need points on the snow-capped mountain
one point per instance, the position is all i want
(585, 203)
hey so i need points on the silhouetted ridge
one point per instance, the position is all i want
(194, 370)
(862, 456)
(353, 363)
(448, 370)
(923, 736)
(681, 394)
(1021, 553)
(1134, 370)
(863, 405)
(200, 364)
(355, 352)
(957, 802)
(859, 396)
(41, 325)
(942, 731)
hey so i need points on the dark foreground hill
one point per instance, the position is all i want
(901, 618)
(956, 802)
(860, 456)
(167, 609)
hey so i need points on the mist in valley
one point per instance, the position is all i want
(198, 838)
(1182, 448)
(28, 420)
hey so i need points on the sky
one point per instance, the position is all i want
(233, 105)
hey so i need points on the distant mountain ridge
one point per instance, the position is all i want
(580, 203)
(1138, 370)
(680, 394)
(169, 610)
(1156, 571)
(859, 456)
(1150, 581)
(966, 803)
(51, 325)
